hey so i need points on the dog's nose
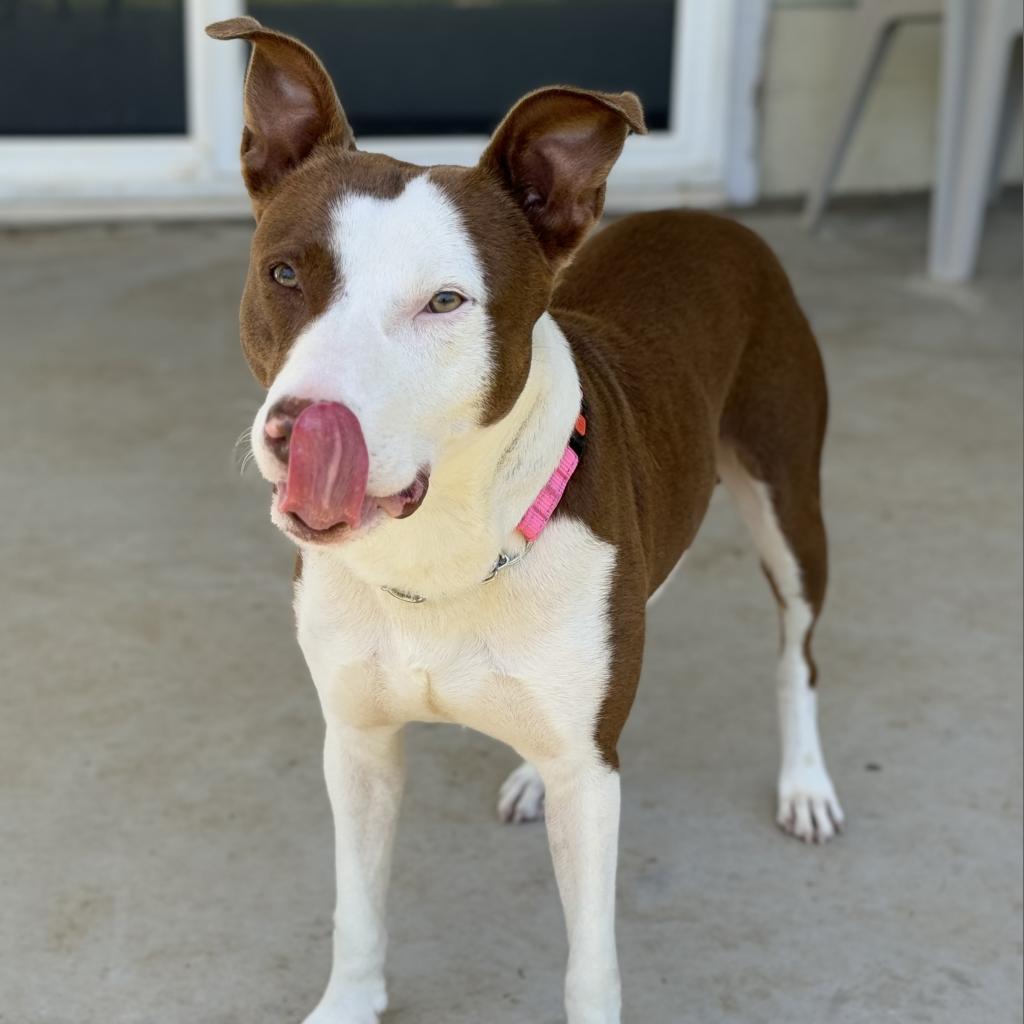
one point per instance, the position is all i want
(277, 427)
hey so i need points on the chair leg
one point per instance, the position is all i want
(1008, 121)
(976, 59)
(866, 54)
(955, 72)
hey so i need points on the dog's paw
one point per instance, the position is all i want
(808, 806)
(522, 796)
(356, 1004)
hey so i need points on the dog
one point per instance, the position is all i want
(492, 443)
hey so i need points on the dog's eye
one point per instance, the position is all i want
(445, 302)
(284, 275)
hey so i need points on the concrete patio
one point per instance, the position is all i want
(165, 835)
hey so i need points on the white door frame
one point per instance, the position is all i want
(706, 157)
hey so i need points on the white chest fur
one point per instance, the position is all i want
(523, 658)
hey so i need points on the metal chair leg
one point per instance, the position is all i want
(866, 54)
(876, 21)
(978, 47)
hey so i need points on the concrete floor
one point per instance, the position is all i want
(165, 838)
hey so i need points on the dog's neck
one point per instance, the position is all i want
(479, 490)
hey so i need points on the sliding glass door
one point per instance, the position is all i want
(92, 67)
(444, 67)
(128, 106)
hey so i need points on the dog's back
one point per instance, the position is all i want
(728, 366)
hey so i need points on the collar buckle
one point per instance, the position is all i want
(504, 561)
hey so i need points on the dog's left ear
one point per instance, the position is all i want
(290, 106)
(553, 153)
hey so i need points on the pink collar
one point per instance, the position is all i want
(543, 508)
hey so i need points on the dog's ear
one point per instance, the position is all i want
(553, 153)
(290, 106)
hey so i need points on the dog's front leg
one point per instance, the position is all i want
(582, 811)
(364, 769)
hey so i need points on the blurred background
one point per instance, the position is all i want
(165, 843)
(125, 107)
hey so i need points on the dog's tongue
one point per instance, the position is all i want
(327, 467)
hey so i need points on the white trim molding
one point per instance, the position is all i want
(706, 157)
(747, 50)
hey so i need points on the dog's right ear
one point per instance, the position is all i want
(290, 106)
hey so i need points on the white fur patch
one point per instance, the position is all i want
(523, 658)
(414, 379)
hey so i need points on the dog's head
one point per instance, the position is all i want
(389, 308)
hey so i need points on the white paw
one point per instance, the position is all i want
(356, 1004)
(808, 806)
(522, 796)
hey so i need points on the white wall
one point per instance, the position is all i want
(894, 148)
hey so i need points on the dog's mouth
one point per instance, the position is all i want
(394, 506)
(323, 497)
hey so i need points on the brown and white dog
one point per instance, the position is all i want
(443, 326)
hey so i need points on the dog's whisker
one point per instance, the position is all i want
(244, 438)
(243, 450)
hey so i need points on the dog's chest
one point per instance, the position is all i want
(523, 658)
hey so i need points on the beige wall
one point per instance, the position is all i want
(894, 147)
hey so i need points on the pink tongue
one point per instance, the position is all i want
(327, 467)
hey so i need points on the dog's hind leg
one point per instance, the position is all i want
(521, 797)
(784, 518)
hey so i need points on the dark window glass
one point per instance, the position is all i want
(92, 67)
(452, 67)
